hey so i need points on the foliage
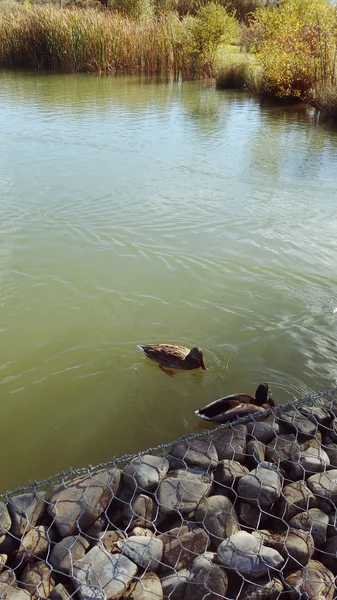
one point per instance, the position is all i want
(298, 46)
(324, 99)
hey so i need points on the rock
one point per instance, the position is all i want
(263, 485)
(230, 443)
(314, 521)
(182, 492)
(228, 473)
(3, 560)
(208, 581)
(329, 553)
(11, 593)
(251, 516)
(324, 484)
(255, 452)
(59, 593)
(283, 448)
(141, 512)
(100, 575)
(25, 510)
(96, 530)
(205, 560)
(77, 504)
(292, 420)
(243, 553)
(263, 431)
(37, 579)
(314, 582)
(109, 539)
(270, 539)
(331, 451)
(143, 551)
(8, 577)
(5, 521)
(34, 544)
(67, 551)
(9, 545)
(298, 547)
(296, 497)
(317, 415)
(147, 588)
(145, 472)
(199, 453)
(141, 531)
(266, 590)
(181, 545)
(174, 585)
(314, 460)
(218, 518)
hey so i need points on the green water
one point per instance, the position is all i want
(136, 212)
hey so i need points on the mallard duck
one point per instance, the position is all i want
(171, 356)
(237, 405)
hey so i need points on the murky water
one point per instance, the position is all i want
(136, 212)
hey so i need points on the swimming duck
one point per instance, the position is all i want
(237, 405)
(171, 356)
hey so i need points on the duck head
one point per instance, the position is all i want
(262, 395)
(197, 354)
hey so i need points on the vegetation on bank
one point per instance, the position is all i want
(284, 48)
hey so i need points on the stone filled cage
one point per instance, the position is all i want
(243, 511)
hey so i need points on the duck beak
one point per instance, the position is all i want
(202, 365)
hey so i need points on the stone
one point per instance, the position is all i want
(218, 517)
(174, 585)
(283, 448)
(251, 516)
(145, 552)
(208, 581)
(5, 521)
(182, 492)
(96, 530)
(263, 485)
(268, 589)
(292, 420)
(317, 415)
(296, 497)
(141, 512)
(230, 443)
(228, 473)
(11, 593)
(8, 577)
(100, 575)
(314, 460)
(110, 538)
(182, 545)
(199, 453)
(59, 593)
(34, 544)
(25, 510)
(37, 579)
(329, 554)
(203, 561)
(298, 547)
(147, 588)
(314, 521)
(263, 431)
(331, 451)
(75, 505)
(324, 484)
(256, 452)
(67, 551)
(314, 582)
(145, 472)
(243, 553)
(141, 531)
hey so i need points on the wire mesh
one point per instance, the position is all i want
(246, 510)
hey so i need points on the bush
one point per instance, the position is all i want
(324, 99)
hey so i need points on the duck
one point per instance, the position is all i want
(173, 356)
(231, 407)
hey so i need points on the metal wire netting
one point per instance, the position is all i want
(246, 510)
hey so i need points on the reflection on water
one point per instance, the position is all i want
(135, 211)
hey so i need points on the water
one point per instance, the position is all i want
(134, 212)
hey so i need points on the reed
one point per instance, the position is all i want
(93, 40)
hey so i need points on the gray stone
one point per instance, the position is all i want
(251, 516)
(263, 485)
(5, 521)
(317, 415)
(182, 492)
(141, 512)
(228, 473)
(331, 451)
(75, 505)
(147, 588)
(66, 552)
(109, 539)
(314, 521)
(145, 472)
(283, 448)
(208, 581)
(199, 453)
(298, 547)
(230, 443)
(59, 593)
(266, 590)
(11, 593)
(263, 431)
(218, 518)
(294, 421)
(34, 543)
(100, 575)
(243, 553)
(25, 510)
(37, 579)
(182, 545)
(255, 452)
(329, 554)
(8, 577)
(324, 484)
(203, 561)
(174, 585)
(314, 582)
(296, 497)
(314, 460)
(145, 552)
(141, 531)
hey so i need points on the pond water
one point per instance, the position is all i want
(136, 212)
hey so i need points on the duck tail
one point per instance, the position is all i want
(200, 414)
(140, 348)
